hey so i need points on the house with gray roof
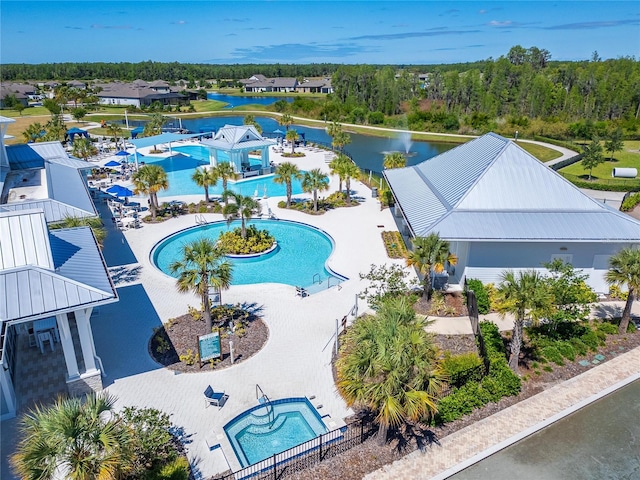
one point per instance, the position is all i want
(501, 208)
(138, 93)
(260, 83)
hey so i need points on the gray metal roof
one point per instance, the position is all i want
(54, 211)
(35, 292)
(490, 188)
(24, 240)
(77, 256)
(237, 137)
(67, 185)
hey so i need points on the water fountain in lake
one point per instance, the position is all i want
(405, 144)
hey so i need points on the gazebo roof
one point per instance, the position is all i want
(233, 137)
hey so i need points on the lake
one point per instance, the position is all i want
(236, 101)
(367, 151)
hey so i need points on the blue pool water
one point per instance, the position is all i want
(180, 169)
(236, 101)
(301, 254)
(257, 434)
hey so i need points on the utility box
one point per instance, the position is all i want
(374, 192)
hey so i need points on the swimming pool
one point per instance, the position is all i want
(299, 259)
(180, 168)
(267, 429)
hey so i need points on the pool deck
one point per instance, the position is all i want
(296, 360)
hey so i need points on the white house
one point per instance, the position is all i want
(501, 209)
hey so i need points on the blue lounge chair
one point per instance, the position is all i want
(214, 398)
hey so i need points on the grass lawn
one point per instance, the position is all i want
(628, 157)
(543, 154)
(208, 105)
(105, 132)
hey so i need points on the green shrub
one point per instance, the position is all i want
(630, 203)
(616, 293)
(606, 327)
(579, 346)
(482, 296)
(566, 350)
(547, 368)
(552, 354)
(591, 340)
(257, 241)
(462, 368)
(177, 469)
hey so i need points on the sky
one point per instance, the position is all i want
(291, 31)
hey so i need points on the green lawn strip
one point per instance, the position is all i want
(208, 105)
(624, 158)
(105, 132)
(544, 154)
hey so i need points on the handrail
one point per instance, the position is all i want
(270, 412)
(313, 281)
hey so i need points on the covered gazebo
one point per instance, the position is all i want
(236, 142)
(72, 132)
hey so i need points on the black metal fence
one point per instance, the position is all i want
(307, 454)
(472, 308)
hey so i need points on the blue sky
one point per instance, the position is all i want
(418, 32)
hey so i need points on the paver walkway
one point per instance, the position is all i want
(483, 438)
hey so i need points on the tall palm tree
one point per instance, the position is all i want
(292, 136)
(314, 181)
(150, 179)
(523, 294)
(388, 363)
(350, 170)
(624, 269)
(84, 148)
(243, 208)
(96, 225)
(430, 255)
(33, 133)
(154, 125)
(114, 130)
(337, 166)
(73, 438)
(285, 173)
(225, 172)
(394, 160)
(205, 177)
(286, 120)
(203, 265)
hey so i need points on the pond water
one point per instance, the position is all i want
(236, 101)
(367, 151)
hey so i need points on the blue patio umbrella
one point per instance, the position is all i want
(279, 132)
(120, 191)
(122, 153)
(112, 163)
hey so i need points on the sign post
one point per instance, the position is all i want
(209, 346)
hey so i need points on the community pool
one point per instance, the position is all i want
(180, 168)
(267, 429)
(299, 260)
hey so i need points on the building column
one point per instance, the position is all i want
(8, 393)
(213, 157)
(67, 347)
(86, 341)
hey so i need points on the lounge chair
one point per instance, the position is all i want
(214, 398)
(301, 291)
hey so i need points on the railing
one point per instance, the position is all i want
(314, 278)
(307, 454)
(200, 220)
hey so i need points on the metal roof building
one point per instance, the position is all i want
(490, 191)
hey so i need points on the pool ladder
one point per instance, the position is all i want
(264, 400)
(200, 220)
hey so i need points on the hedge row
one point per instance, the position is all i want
(500, 381)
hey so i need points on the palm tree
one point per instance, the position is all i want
(350, 170)
(337, 167)
(522, 294)
(84, 148)
(286, 120)
(314, 181)
(388, 364)
(243, 207)
(150, 179)
(203, 265)
(285, 173)
(114, 130)
(205, 177)
(292, 136)
(225, 172)
(430, 255)
(394, 160)
(154, 125)
(624, 269)
(96, 225)
(73, 438)
(249, 119)
(33, 132)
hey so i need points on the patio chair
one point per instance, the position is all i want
(301, 291)
(214, 398)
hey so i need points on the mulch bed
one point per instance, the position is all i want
(181, 334)
(354, 464)
(452, 301)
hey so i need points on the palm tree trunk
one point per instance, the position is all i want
(244, 228)
(289, 193)
(207, 311)
(348, 185)
(626, 314)
(382, 433)
(516, 344)
(315, 201)
(206, 194)
(152, 206)
(224, 189)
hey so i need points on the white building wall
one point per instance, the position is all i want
(486, 261)
(119, 101)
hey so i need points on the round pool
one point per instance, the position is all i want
(299, 260)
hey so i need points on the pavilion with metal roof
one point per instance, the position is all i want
(55, 278)
(501, 208)
(163, 138)
(235, 142)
